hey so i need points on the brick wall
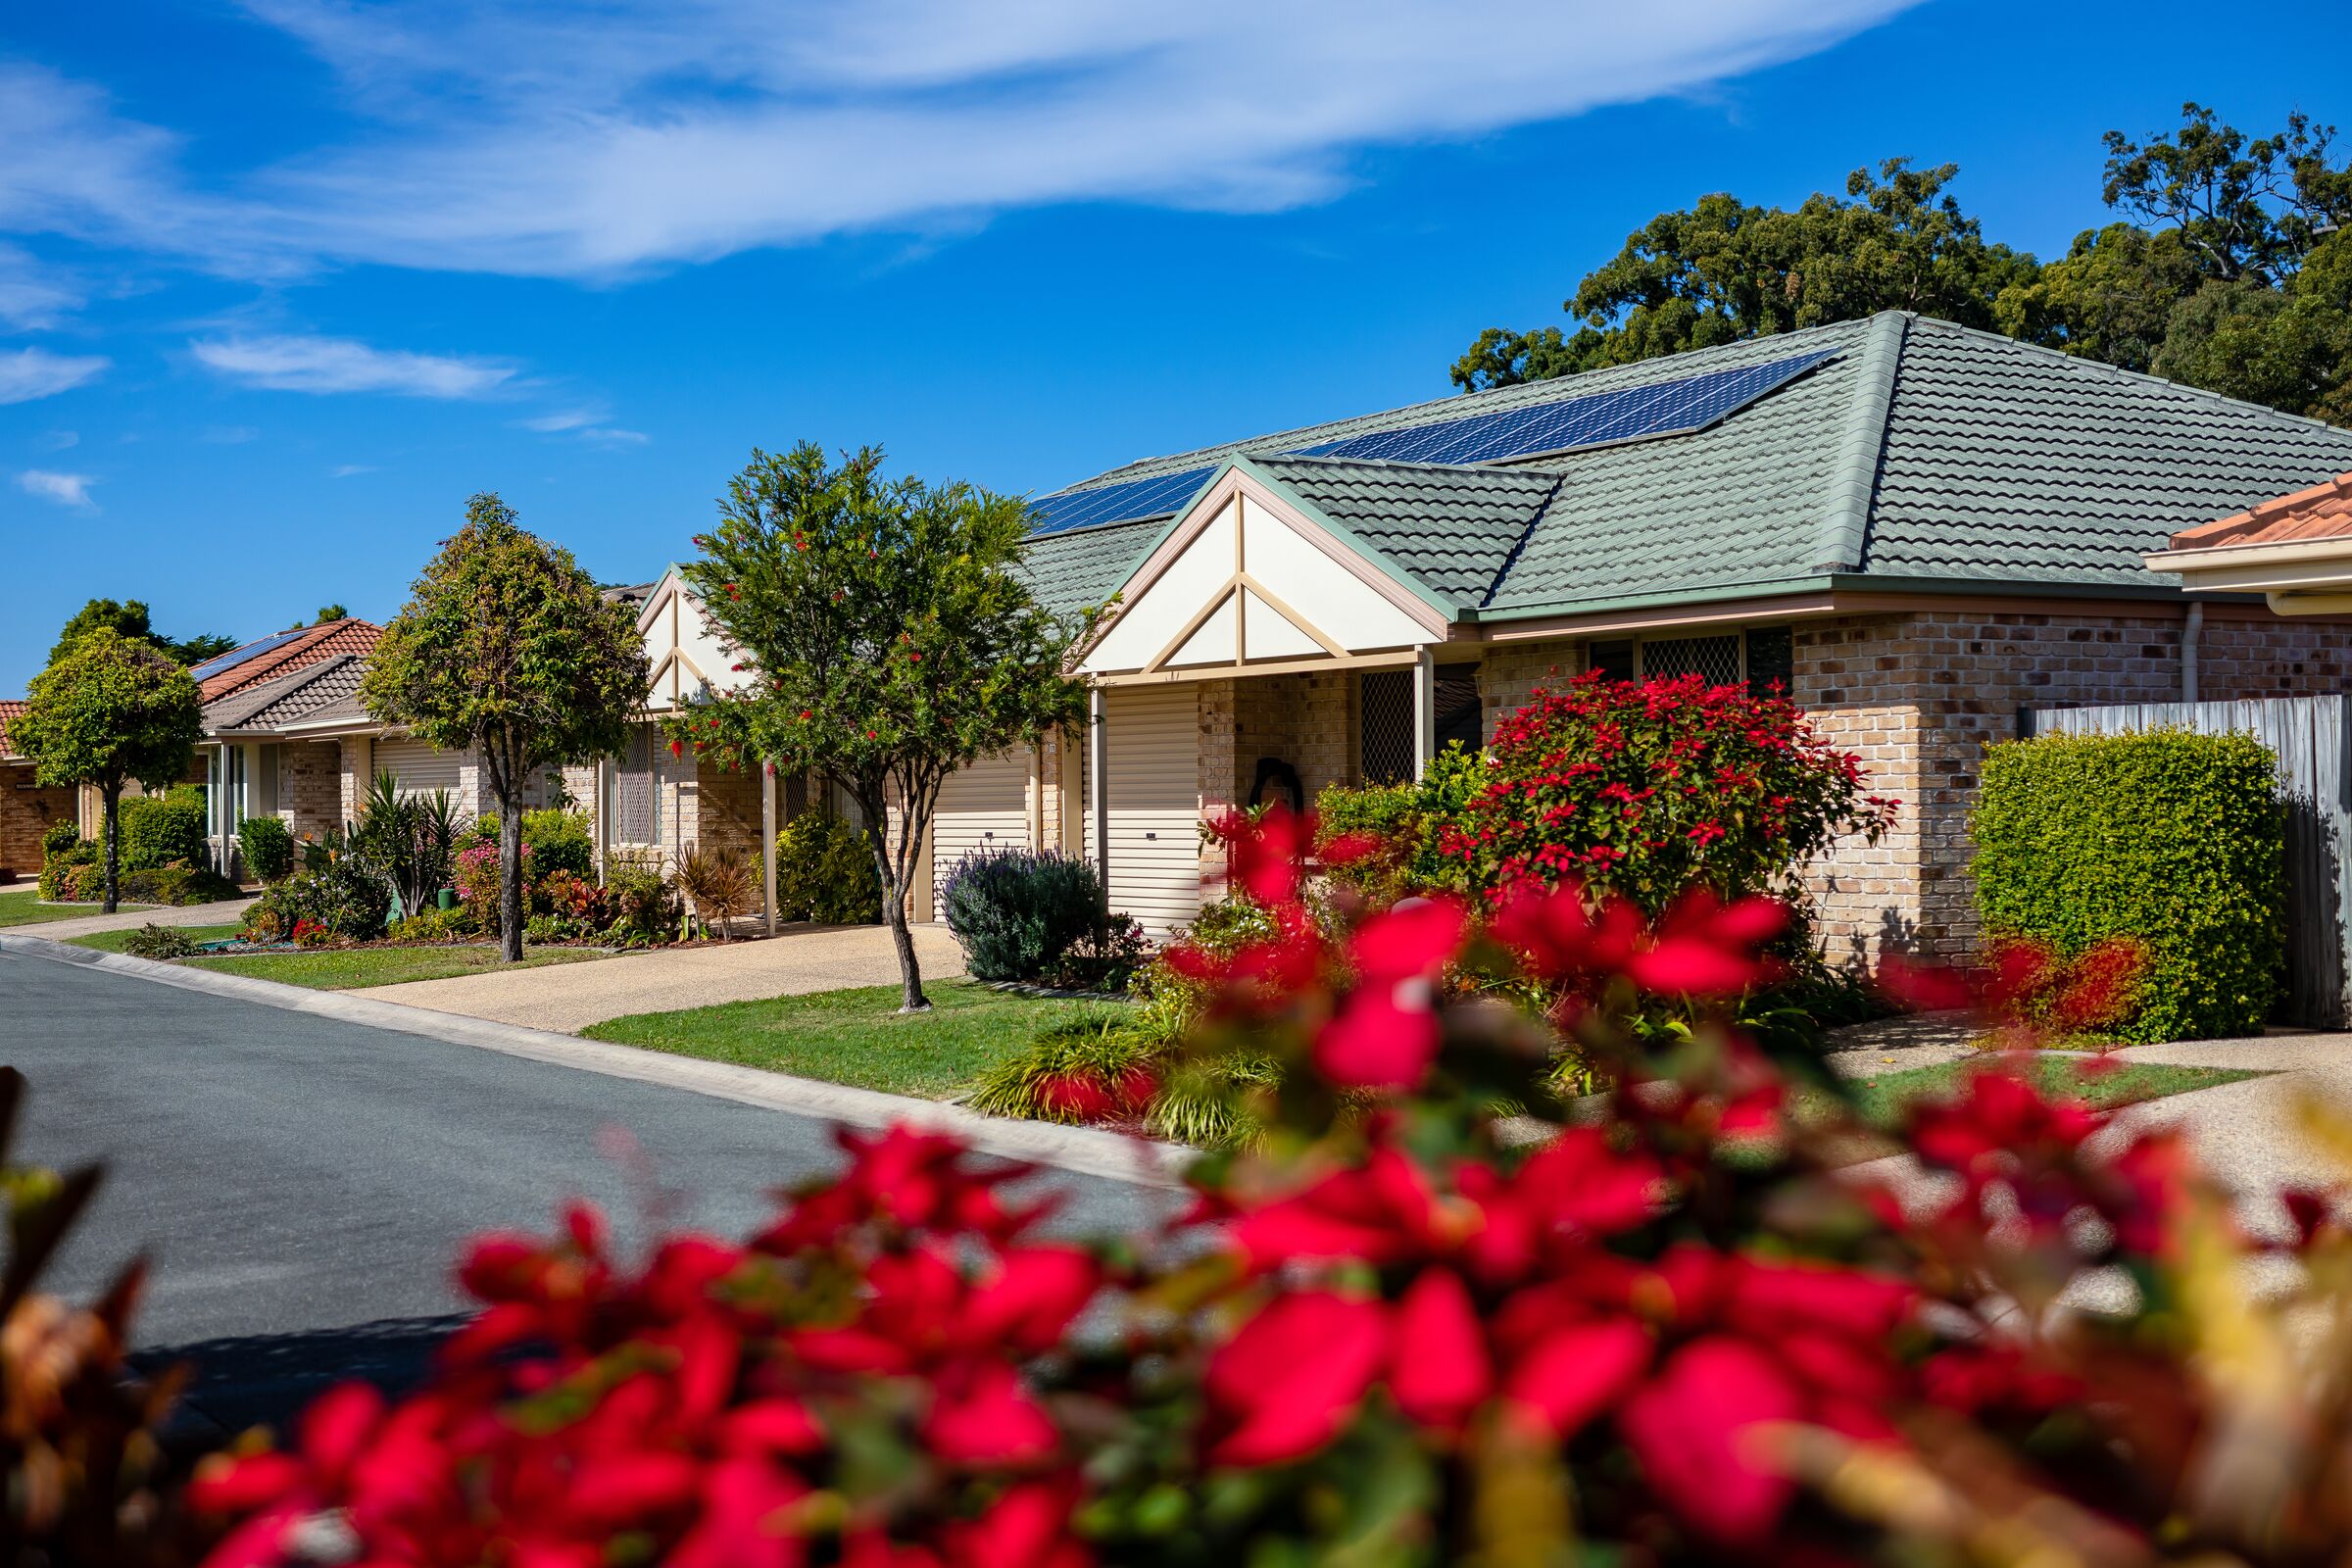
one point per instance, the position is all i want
(309, 788)
(719, 809)
(25, 812)
(355, 774)
(1509, 673)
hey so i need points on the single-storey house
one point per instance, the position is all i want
(1917, 528)
(27, 808)
(2294, 550)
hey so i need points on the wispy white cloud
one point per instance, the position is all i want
(33, 296)
(324, 364)
(592, 137)
(35, 372)
(66, 489)
(346, 471)
(59, 440)
(585, 424)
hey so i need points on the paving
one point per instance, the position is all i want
(300, 1182)
(569, 996)
(229, 912)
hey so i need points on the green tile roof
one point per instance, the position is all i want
(1920, 451)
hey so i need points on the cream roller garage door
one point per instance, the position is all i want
(1152, 750)
(419, 768)
(985, 807)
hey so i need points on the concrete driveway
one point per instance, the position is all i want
(569, 996)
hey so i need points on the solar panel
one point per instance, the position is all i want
(1598, 419)
(1115, 503)
(1563, 424)
(237, 656)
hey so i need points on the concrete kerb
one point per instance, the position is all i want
(1087, 1151)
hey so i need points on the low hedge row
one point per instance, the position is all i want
(2169, 839)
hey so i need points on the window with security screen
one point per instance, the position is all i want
(1385, 744)
(1762, 656)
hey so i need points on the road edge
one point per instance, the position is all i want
(1085, 1151)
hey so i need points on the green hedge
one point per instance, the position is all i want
(2172, 838)
(158, 830)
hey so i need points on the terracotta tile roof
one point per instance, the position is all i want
(9, 709)
(275, 702)
(317, 643)
(2323, 511)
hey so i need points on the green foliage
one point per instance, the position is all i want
(107, 712)
(129, 620)
(889, 634)
(1410, 822)
(178, 885)
(409, 841)
(1205, 1103)
(347, 899)
(825, 872)
(58, 865)
(507, 648)
(432, 927)
(2169, 839)
(1018, 912)
(267, 846)
(2230, 272)
(152, 941)
(644, 906)
(159, 830)
(560, 841)
(60, 836)
(1724, 271)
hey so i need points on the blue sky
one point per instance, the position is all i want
(281, 283)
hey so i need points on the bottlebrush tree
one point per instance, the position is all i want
(1652, 790)
(1678, 1328)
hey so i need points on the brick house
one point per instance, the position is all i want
(26, 809)
(1919, 528)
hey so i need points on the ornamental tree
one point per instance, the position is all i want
(110, 709)
(507, 648)
(1652, 790)
(888, 639)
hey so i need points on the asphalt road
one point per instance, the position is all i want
(301, 1185)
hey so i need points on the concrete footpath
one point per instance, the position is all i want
(229, 912)
(569, 996)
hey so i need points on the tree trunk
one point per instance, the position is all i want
(113, 794)
(510, 877)
(901, 939)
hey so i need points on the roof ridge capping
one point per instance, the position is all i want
(1861, 444)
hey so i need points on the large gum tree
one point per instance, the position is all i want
(110, 709)
(507, 648)
(888, 640)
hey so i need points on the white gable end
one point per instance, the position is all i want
(689, 663)
(1244, 579)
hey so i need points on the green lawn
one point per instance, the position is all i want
(118, 941)
(27, 908)
(348, 969)
(855, 1037)
(2129, 1084)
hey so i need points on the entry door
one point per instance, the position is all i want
(985, 807)
(1152, 764)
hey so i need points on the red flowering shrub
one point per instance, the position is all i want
(1674, 1333)
(1649, 791)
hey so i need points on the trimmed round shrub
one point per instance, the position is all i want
(268, 848)
(59, 837)
(558, 841)
(176, 885)
(159, 830)
(1018, 912)
(2170, 840)
(1648, 791)
(825, 872)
